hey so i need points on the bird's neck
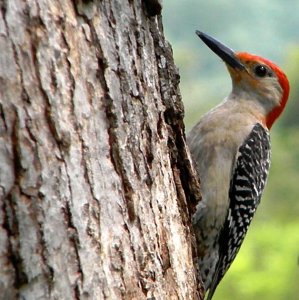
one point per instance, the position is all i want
(247, 104)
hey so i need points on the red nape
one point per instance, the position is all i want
(283, 80)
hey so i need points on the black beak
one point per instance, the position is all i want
(225, 53)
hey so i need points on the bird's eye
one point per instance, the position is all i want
(260, 71)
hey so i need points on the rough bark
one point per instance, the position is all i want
(96, 184)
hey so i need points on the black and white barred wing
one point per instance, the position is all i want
(248, 180)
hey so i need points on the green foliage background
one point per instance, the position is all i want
(267, 266)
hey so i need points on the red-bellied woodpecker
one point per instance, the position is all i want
(231, 149)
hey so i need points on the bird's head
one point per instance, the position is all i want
(254, 78)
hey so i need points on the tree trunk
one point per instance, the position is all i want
(96, 184)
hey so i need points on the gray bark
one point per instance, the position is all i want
(96, 184)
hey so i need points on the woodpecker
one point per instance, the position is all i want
(230, 146)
